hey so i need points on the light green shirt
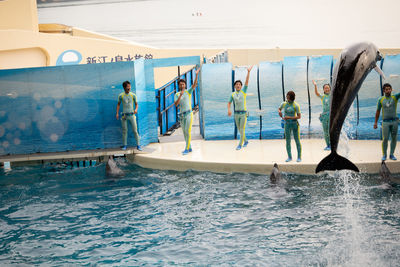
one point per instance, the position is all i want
(325, 103)
(290, 109)
(128, 102)
(388, 106)
(186, 100)
(239, 98)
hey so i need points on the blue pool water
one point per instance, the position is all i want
(59, 216)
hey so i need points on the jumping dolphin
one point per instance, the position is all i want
(353, 65)
(275, 174)
(112, 168)
(387, 175)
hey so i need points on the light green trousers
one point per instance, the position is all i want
(186, 122)
(389, 128)
(241, 120)
(292, 127)
(325, 126)
(124, 123)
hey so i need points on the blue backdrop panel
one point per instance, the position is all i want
(216, 90)
(120, 73)
(84, 96)
(16, 116)
(368, 96)
(253, 120)
(65, 108)
(391, 68)
(147, 117)
(319, 70)
(295, 79)
(271, 95)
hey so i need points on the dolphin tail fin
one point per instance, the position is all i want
(334, 162)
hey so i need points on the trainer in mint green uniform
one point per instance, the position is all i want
(324, 117)
(390, 121)
(184, 100)
(129, 109)
(291, 113)
(239, 99)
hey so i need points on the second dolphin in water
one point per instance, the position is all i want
(112, 169)
(352, 67)
(275, 176)
(386, 175)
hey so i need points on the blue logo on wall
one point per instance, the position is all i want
(69, 57)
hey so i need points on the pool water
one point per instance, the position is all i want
(60, 216)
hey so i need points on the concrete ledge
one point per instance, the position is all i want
(222, 156)
(81, 154)
(259, 156)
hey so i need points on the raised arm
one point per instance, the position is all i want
(190, 90)
(196, 78)
(248, 75)
(315, 88)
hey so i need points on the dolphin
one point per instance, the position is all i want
(352, 67)
(387, 175)
(112, 168)
(275, 176)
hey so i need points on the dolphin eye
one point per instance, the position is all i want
(378, 55)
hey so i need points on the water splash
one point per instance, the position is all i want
(347, 133)
(351, 246)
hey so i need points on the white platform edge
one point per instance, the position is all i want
(259, 157)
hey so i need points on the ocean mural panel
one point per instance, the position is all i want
(295, 79)
(391, 69)
(216, 88)
(319, 70)
(368, 96)
(66, 108)
(271, 96)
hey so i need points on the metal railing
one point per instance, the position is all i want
(167, 112)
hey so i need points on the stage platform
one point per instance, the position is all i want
(259, 156)
(221, 156)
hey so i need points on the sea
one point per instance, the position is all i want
(233, 23)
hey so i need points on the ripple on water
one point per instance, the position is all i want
(152, 217)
